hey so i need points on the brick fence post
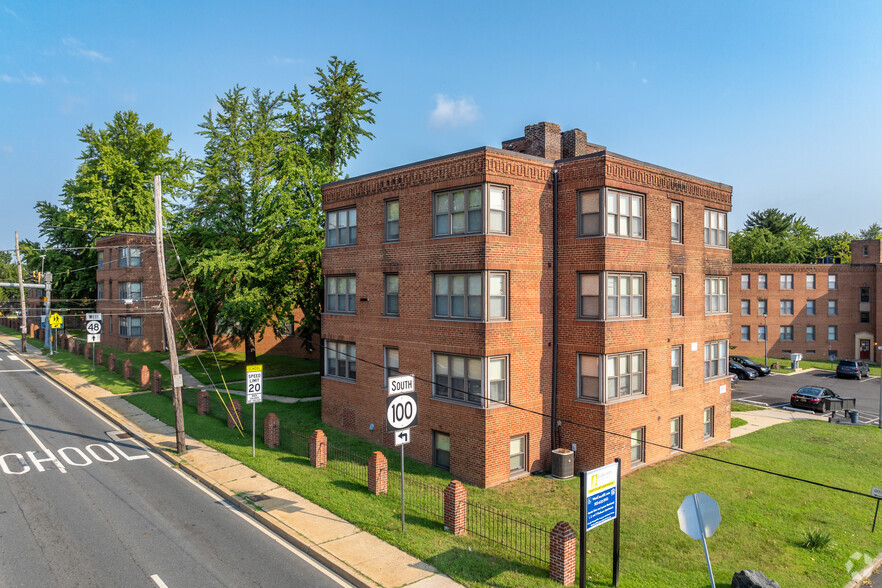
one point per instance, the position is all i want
(562, 563)
(144, 377)
(156, 381)
(318, 449)
(378, 473)
(271, 430)
(99, 356)
(111, 362)
(127, 369)
(455, 507)
(71, 344)
(203, 405)
(78, 347)
(87, 351)
(236, 408)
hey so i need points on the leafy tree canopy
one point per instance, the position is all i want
(111, 192)
(253, 231)
(874, 231)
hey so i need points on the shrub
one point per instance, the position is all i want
(816, 540)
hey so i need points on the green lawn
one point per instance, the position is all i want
(113, 381)
(764, 517)
(808, 364)
(736, 422)
(205, 367)
(294, 387)
(16, 333)
(744, 407)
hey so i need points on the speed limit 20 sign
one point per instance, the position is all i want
(401, 412)
(253, 384)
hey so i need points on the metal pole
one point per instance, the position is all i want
(583, 522)
(24, 308)
(253, 426)
(46, 334)
(766, 338)
(710, 570)
(402, 487)
(616, 526)
(875, 515)
(167, 321)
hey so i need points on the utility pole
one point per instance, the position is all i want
(24, 308)
(48, 330)
(177, 380)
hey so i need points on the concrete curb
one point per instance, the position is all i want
(315, 551)
(859, 577)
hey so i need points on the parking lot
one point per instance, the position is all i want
(775, 389)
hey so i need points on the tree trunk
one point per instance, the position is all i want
(250, 349)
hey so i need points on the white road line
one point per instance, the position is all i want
(746, 397)
(45, 450)
(8, 371)
(158, 581)
(14, 357)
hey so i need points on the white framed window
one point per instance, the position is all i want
(832, 307)
(832, 333)
(810, 281)
(340, 294)
(676, 294)
(786, 308)
(745, 307)
(623, 376)
(677, 433)
(638, 446)
(745, 332)
(391, 224)
(762, 307)
(708, 420)
(474, 380)
(390, 363)
(623, 298)
(517, 454)
(471, 210)
(832, 282)
(716, 295)
(100, 294)
(677, 366)
(623, 212)
(810, 307)
(810, 333)
(441, 450)
(762, 281)
(716, 359)
(130, 257)
(390, 295)
(129, 326)
(786, 333)
(745, 281)
(787, 281)
(715, 229)
(676, 222)
(100, 260)
(761, 333)
(129, 290)
(461, 296)
(340, 227)
(340, 361)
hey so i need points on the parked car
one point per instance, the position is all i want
(734, 379)
(743, 373)
(852, 368)
(819, 399)
(762, 370)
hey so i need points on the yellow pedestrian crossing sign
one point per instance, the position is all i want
(56, 321)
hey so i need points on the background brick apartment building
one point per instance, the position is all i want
(819, 310)
(129, 300)
(445, 269)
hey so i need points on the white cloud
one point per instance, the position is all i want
(8, 79)
(9, 11)
(78, 50)
(6, 148)
(276, 60)
(34, 78)
(644, 80)
(450, 113)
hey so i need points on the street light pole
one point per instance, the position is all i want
(766, 338)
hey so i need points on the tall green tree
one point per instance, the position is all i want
(111, 192)
(874, 231)
(8, 273)
(771, 236)
(253, 232)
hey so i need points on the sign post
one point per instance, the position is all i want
(877, 494)
(94, 326)
(253, 395)
(600, 503)
(401, 414)
(699, 518)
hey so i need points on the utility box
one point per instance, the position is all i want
(795, 358)
(562, 464)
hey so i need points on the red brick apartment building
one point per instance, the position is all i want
(819, 310)
(446, 269)
(129, 300)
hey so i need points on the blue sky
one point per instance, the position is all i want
(781, 100)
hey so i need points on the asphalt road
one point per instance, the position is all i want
(775, 390)
(82, 506)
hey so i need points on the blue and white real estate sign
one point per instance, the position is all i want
(601, 492)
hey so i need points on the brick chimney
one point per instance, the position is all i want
(543, 140)
(574, 143)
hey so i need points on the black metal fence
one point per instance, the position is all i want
(515, 534)
(418, 497)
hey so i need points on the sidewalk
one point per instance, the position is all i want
(760, 419)
(355, 555)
